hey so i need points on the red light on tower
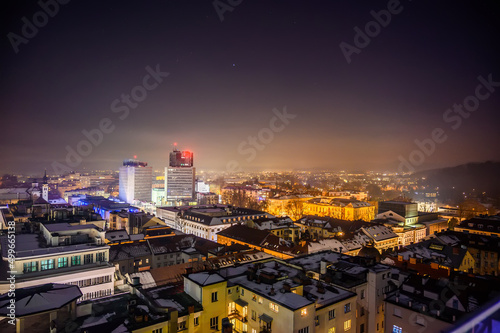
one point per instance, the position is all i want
(135, 156)
(175, 144)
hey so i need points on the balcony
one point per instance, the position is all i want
(235, 314)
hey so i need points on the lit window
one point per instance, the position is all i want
(397, 329)
(303, 312)
(261, 300)
(347, 325)
(30, 267)
(254, 297)
(347, 308)
(62, 262)
(47, 264)
(331, 330)
(273, 307)
(76, 260)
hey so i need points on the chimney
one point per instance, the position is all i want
(321, 288)
(286, 287)
(272, 292)
(322, 269)
(189, 270)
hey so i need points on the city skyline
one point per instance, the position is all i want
(213, 79)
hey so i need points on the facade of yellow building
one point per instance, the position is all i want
(344, 209)
(263, 297)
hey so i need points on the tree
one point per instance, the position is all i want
(264, 205)
(452, 223)
(295, 209)
(470, 208)
(374, 191)
(240, 198)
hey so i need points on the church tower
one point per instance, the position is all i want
(45, 187)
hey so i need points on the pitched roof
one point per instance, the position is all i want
(41, 298)
(40, 201)
(128, 250)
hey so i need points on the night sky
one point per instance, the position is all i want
(226, 77)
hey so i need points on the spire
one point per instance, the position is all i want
(45, 179)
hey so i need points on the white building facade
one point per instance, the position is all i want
(136, 181)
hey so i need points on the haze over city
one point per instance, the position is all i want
(227, 71)
(250, 166)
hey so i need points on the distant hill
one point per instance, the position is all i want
(483, 177)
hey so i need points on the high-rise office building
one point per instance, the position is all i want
(136, 181)
(179, 177)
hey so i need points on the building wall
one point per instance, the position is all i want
(377, 282)
(437, 227)
(19, 262)
(136, 183)
(406, 320)
(89, 281)
(485, 262)
(349, 213)
(179, 183)
(285, 320)
(339, 321)
(213, 309)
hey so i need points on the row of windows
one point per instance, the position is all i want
(183, 324)
(95, 294)
(347, 327)
(92, 282)
(43, 265)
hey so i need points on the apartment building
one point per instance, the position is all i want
(270, 296)
(61, 253)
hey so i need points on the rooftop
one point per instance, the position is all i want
(58, 227)
(273, 280)
(30, 245)
(47, 297)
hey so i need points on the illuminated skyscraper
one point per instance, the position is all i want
(179, 177)
(136, 181)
